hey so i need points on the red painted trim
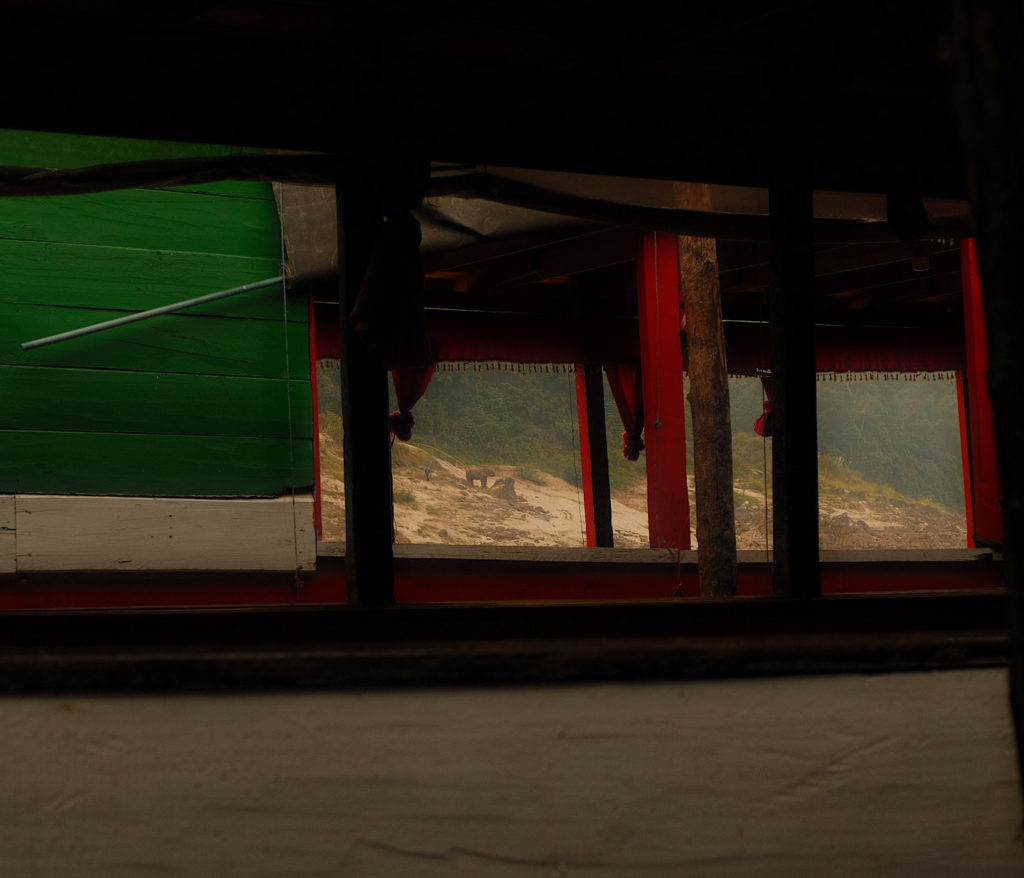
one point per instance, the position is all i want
(430, 581)
(870, 578)
(987, 499)
(583, 427)
(426, 582)
(965, 456)
(661, 363)
(318, 524)
(96, 590)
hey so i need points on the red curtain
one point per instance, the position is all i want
(625, 382)
(411, 383)
(763, 425)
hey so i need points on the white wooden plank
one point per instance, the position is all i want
(8, 552)
(6, 512)
(8, 540)
(151, 533)
(576, 554)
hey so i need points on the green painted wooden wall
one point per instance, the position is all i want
(214, 401)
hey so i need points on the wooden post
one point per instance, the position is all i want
(661, 362)
(369, 558)
(986, 525)
(597, 497)
(709, 409)
(795, 571)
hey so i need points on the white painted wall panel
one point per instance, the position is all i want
(148, 533)
(885, 776)
(8, 543)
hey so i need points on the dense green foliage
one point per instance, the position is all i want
(899, 433)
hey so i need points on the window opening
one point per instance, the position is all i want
(332, 450)
(493, 460)
(889, 464)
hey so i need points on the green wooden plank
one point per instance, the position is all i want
(49, 149)
(78, 275)
(108, 401)
(44, 149)
(254, 189)
(147, 218)
(152, 465)
(170, 343)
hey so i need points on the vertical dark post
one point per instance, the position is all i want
(597, 494)
(369, 558)
(965, 455)
(796, 571)
(988, 79)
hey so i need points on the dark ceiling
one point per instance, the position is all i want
(726, 92)
(692, 91)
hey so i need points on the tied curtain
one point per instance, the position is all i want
(411, 383)
(389, 317)
(624, 379)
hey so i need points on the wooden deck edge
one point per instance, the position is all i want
(494, 663)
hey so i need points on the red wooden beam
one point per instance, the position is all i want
(983, 488)
(661, 362)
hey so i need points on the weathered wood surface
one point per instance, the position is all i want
(903, 774)
(147, 533)
(709, 411)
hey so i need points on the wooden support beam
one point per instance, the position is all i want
(709, 409)
(369, 559)
(585, 253)
(597, 497)
(795, 571)
(445, 260)
(661, 362)
(927, 288)
(834, 265)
